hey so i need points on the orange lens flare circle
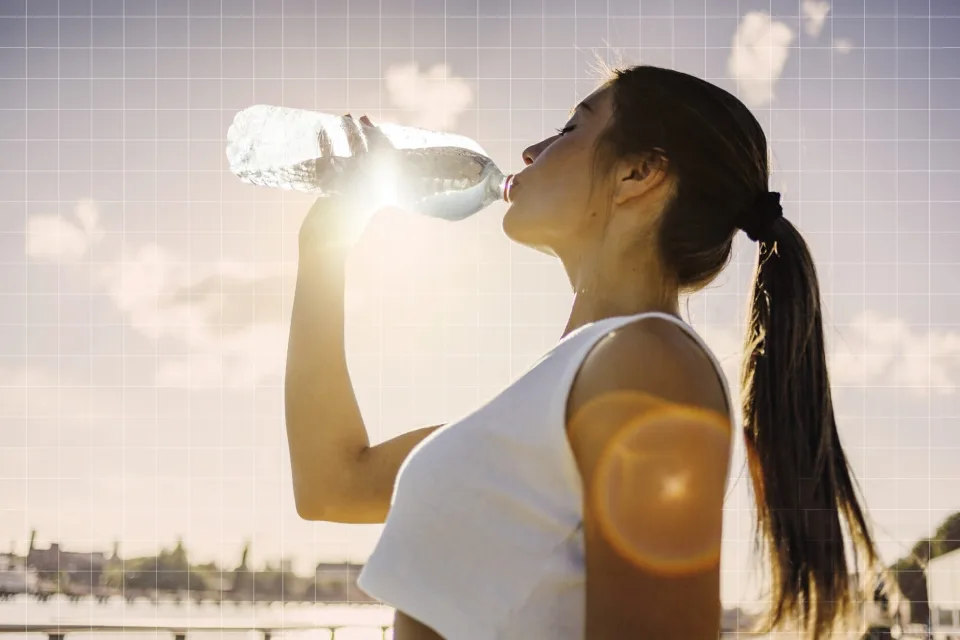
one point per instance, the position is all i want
(658, 490)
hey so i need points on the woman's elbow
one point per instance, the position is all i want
(311, 502)
(310, 511)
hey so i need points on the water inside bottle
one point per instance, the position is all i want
(438, 174)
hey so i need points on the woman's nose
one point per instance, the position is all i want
(529, 155)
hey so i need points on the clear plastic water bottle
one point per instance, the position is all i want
(443, 175)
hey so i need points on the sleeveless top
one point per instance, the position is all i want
(484, 539)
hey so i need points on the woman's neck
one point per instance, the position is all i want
(592, 305)
(615, 280)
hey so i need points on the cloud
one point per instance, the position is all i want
(876, 350)
(843, 45)
(243, 359)
(759, 52)
(53, 237)
(228, 314)
(814, 15)
(434, 97)
(871, 350)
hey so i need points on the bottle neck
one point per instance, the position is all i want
(503, 185)
(508, 184)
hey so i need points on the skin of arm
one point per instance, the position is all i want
(619, 417)
(337, 475)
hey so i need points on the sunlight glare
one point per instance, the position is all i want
(658, 490)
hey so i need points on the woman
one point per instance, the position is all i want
(494, 528)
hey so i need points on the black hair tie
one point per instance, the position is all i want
(766, 209)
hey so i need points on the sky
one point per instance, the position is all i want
(145, 291)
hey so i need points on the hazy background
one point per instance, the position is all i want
(145, 291)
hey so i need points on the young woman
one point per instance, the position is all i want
(493, 527)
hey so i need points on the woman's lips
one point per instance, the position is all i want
(511, 188)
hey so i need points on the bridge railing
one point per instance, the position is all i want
(59, 631)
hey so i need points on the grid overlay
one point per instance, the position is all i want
(147, 294)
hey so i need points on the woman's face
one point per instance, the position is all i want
(551, 206)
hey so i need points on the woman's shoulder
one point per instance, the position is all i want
(652, 356)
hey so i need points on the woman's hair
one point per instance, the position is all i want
(716, 153)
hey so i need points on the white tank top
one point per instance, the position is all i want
(484, 536)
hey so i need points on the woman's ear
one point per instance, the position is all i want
(639, 176)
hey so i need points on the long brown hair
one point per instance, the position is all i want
(716, 152)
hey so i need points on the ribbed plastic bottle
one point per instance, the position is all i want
(438, 174)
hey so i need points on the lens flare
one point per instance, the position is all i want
(658, 490)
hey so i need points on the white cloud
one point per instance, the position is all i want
(759, 52)
(885, 350)
(228, 314)
(434, 97)
(870, 350)
(53, 237)
(241, 359)
(843, 45)
(814, 15)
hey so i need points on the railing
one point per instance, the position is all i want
(56, 631)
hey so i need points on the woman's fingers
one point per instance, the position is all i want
(355, 139)
(363, 136)
(376, 140)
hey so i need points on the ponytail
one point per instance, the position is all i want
(718, 155)
(801, 478)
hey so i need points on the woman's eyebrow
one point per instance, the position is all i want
(584, 104)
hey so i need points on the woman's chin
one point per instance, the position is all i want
(523, 235)
(509, 223)
(544, 249)
(514, 226)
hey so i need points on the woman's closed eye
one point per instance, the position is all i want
(566, 129)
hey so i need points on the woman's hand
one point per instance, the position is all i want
(336, 221)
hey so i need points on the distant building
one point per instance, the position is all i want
(221, 581)
(943, 589)
(81, 568)
(16, 576)
(338, 582)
